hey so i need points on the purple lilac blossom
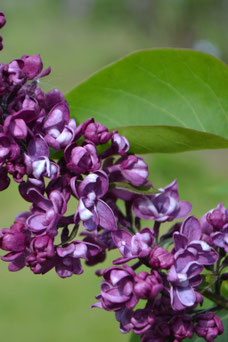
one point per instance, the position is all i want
(31, 124)
(92, 210)
(162, 207)
(117, 289)
(209, 326)
(133, 246)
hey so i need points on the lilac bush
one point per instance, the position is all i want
(162, 301)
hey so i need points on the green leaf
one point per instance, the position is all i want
(182, 95)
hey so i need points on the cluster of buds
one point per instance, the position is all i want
(95, 168)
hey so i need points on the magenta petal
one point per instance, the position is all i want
(186, 295)
(106, 217)
(38, 148)
(38, 199)
(17, 264)
(180, 241)
(218, 239)
(185, 209)
(36, 222)
(191, 229)
(122, 240)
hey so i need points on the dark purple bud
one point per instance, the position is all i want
(4, 179)
(97, 133)
(209, 326)
(134, 170)
(60, 131)
(120, 144)
(161, 258)
(32, 66)
(182, 327)
(147, 286)
(41, 251)
(12, 239)
(81, 159)
(218, 217)
(2, 20)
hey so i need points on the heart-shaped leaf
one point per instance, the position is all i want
(182, 95)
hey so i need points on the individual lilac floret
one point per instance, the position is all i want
(189, 238)
(96, 132)
(182, 327)
(138, 321)
(161, 258)
(218, 217)
(162, 207)
(33, 66)
(133, 246)
(117, 289)
(46, 212)
(191, 254)
(213, 221)
(26, 68)
(14, 240)
(147, 286)
(68, 261)
(92, 211)
(82, 159)
(37, 160)
(209, 326)
(41, 251)
(120, 145)
(184, 275)
(220, 239)
(59, 129)
(135, 170)
(129, 168)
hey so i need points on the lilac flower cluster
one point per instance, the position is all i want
(168, 289)
(96, 169)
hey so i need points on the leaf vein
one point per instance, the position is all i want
(145, 101)
(170, 86)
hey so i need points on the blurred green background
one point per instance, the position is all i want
(77, 37)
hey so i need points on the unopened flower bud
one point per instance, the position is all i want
(147, 285)
(161, 258)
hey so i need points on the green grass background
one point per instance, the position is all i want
(47, 308)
